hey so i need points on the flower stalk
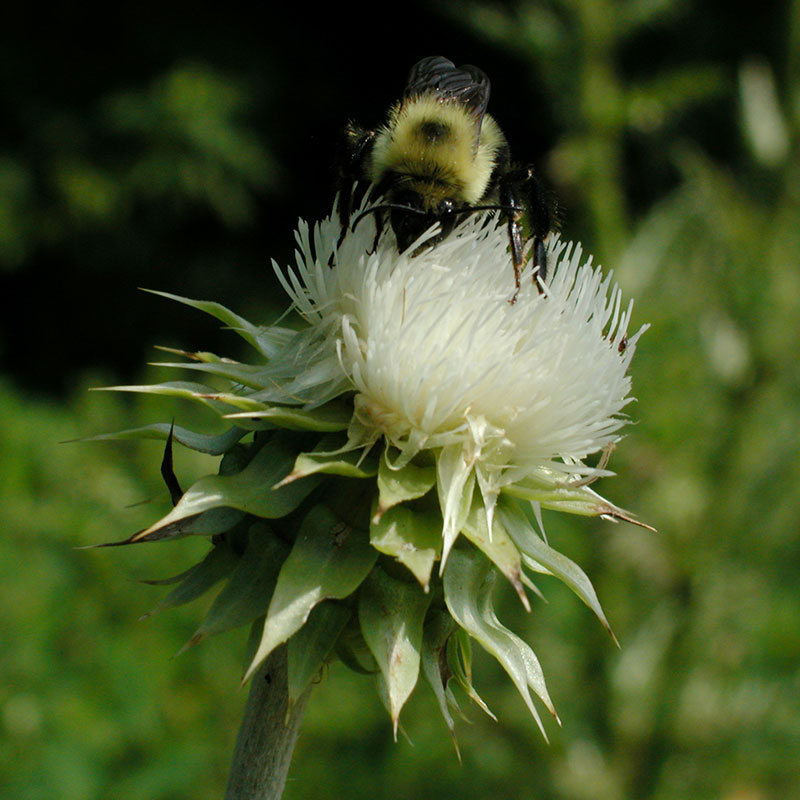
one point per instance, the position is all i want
(268, 733)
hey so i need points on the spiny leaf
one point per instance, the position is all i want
(309, 648)
(168, 471)
(186, 390)
(208, 523)
(554, 493)
(247, 593)
(218, 563)
(459, 660)
(248, 491)
(401, 485)
(455, 484)
(554, 562)
(468, 581)
(351, 465)
(391, 613)
(246, 374)
(202, 443)
(439, 626)
(267, 341)
(353, 655)
(328, 560)
(414, 538)
(333, 416)
(498, 546)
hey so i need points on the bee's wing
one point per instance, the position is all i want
(466, 85)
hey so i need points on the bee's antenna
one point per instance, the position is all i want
(458, 212)
(508, 209)
(384, 207)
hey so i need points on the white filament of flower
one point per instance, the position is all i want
(440, 359)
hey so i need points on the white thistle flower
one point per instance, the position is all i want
(439, 357)
(418, 404)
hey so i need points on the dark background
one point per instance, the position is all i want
(174, 147)
(87, 225)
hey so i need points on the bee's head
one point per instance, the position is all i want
(412, 213)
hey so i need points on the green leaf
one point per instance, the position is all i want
(247, 593)
(468, 580)
(331, 417)
(329, 560)
(219, 562)
(309, 648)
(202, 443)
(414, 538)
(498, 546)
(241, 401)
(391, 613)
(208, 523)
(552, 491)
(455, 483)
(400, 485)
(439, 626)
(355, 655)
(267, 341)
(531, 545)
(250, 490)
(250, 375)
(351, 465)
(459, 660)
(216, 520)
(186, 390)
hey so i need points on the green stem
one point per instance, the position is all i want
(268, 734)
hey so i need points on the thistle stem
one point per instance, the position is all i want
(267, 735)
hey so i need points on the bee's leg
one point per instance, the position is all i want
(509, 195)
(539, 259)
(378, 232)
(520, 190)
(543, 218)
(517, 252)
(355, 145)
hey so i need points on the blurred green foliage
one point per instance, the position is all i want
(670, 131)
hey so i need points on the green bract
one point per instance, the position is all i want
(366, 501)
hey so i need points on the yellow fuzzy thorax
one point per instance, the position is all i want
(429, 142)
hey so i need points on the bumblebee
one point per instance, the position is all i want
(440, 157)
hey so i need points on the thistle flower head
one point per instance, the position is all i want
(441, 360)
(418, 417)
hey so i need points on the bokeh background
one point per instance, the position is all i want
(173, 147)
